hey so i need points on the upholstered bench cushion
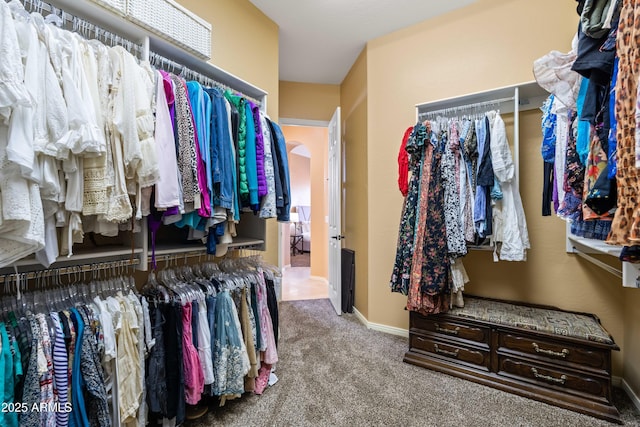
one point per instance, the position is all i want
(533, 318)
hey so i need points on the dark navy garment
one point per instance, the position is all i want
(156, 378)
(172, 330)
(211, 317)
(272, 304)
(194, 323)
(283, 201)
(254, 307)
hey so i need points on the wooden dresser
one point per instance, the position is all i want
(558, 357)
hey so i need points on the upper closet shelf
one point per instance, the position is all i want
(118, 24)
(527, 96)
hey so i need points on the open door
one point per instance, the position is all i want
(334, 203)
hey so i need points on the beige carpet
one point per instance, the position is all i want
(335, 372)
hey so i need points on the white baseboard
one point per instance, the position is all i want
(379, 327)
(625, 386)
(616, 381)
(360, 317)
(320, 278)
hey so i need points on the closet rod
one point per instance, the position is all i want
(597, 262)
(175, 257)
(466, 107)
(83, 27)
(162, 62)
(75, 269)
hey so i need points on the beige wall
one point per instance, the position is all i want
(439, 59)
(300, 174)
(308, 101)
(245, 43)
(353, 95)
(631, 299)
(316, 140)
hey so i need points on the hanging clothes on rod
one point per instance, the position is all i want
(229, 158)
(461, 192)
(226, 333)
(73, 154)
(468, 110)
(187, 73)
(75, 332)
(87, 154)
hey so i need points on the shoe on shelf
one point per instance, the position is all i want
(193, 412)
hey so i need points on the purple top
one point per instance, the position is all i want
(262, 177)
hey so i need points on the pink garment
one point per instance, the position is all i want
(193, 374)
(263, 378)
(270, 354)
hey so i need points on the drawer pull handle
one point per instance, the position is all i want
(447, 330)
(564, 353)
(549, 378)
(445, 352)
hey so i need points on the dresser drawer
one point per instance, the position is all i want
(461, 354)
(450, 328)
(555, 379)
(555, 352)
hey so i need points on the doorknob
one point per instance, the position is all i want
(339, 237)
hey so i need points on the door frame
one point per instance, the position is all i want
(281, 230)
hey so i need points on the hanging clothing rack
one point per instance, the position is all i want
(169, 259)
(168, 65)
(86, 29)
(616, 272)
(467, 109)
(118, 265)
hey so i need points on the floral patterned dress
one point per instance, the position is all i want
(430, 286)
(450, 175)
(402, 266)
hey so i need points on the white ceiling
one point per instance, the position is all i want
(321, 39)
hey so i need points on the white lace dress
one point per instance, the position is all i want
(21, 215)
(119, 133)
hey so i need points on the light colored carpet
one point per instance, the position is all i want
(335, 372)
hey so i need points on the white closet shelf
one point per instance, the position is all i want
(238, 243)
(246, 243)
(118, 24)
(83, 256)
(198, 249)
(530, 96)
(583, 247)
